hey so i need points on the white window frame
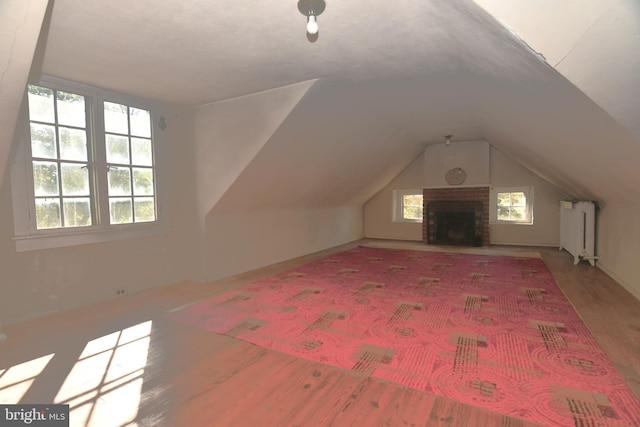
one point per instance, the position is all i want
(493, 211)
(398, 205)
(26, 236)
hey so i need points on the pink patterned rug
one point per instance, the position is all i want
(490, 331)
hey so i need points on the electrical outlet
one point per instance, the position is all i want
(120, 292)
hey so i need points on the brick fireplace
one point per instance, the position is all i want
(457, 209)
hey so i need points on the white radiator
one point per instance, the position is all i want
(577, 230)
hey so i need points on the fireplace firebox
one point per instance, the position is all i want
(454, 222)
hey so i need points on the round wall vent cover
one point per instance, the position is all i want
(455, 176)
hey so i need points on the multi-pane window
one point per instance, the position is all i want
(412, 207)
(514, 205)
(129, 154)
(82, 178)
(407, 205)
(60, 159)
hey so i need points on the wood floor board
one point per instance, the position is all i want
(192, 377)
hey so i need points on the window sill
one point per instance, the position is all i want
(495, 222)
(408, 221)
(65, 239)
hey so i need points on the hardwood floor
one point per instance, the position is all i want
(123, 362)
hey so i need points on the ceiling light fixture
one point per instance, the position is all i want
(448, 140)
(311, 9)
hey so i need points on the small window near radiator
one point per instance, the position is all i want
(512, 205)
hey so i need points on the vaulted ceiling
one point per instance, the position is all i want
(392, 78)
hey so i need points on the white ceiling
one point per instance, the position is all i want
(595, 44)
(393, 78)
(200, 51)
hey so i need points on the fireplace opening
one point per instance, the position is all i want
(454, 223)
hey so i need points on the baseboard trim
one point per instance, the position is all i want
(400, 239)
(539, 245)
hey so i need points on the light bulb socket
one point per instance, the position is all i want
(311, 9)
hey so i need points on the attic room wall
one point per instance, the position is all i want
(234, 238)
(227, 135)
(378, 219)
(246, 240)
(34, 283)
(618, 244)
(545, 231)
(378, 211)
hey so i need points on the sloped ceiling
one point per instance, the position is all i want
(20, 23)
(345, 140)
(200, 51)
(228, 134)
(392, 78)
(594, 44)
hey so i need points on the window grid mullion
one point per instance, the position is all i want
(58, 156)
(100, 155)
(91, 161)
(130, 166)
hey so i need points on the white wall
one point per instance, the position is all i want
(378, 211)
(618, 244)
(501, 171)
(243, 241)
(472, 156)
(243, 228)
(545, 230)
(226, 137)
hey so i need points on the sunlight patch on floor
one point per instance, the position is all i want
(105, 384)
(16, 380)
